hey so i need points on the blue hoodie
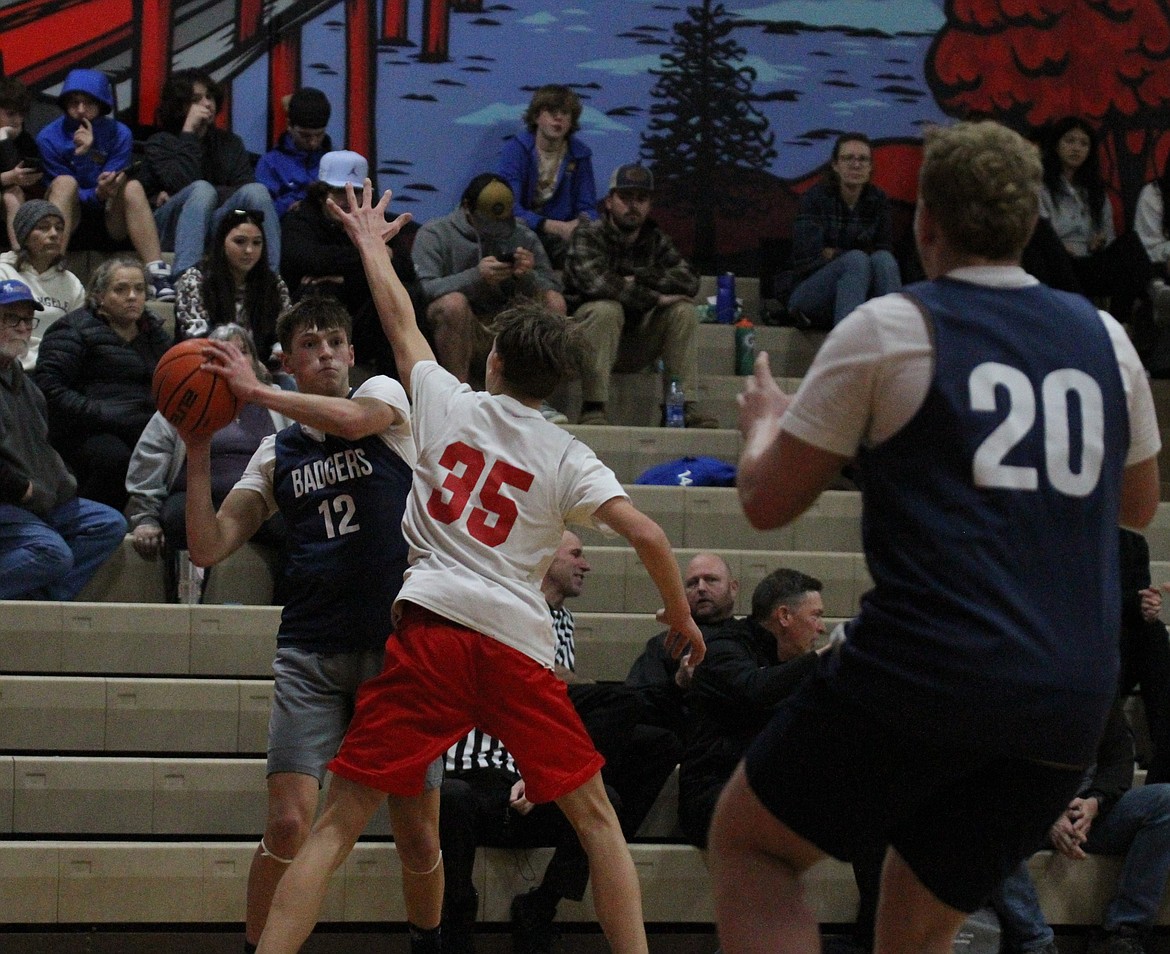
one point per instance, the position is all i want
(112, 141)
(287, 172)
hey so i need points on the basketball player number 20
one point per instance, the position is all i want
(1055, 392)
(466, 465)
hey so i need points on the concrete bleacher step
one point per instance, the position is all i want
(152, 882)
(134, 713)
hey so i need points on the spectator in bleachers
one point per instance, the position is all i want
(233, 284)
(1076, 204)
(95, 367)
(290, 167)
(318, 258)
(1152, 224)
(471, 265)
(1145, 649)
(483, 803)
(347, 556)
(38, 261)
(156, 480)
(659, 679)
(51, 541)
(633, 294)
(21, 165)
(842, 245)
(87, 157)
(1107, 817)
(195, 173)
(752, 665)
(550, 170)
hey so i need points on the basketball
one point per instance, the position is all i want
(196, 401)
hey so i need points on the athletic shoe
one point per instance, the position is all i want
(693, 417)
(552, 414)
(1122, 941)
(596, 417)
(533, 930)
(159, 275)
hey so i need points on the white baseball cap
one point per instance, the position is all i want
(339, 168)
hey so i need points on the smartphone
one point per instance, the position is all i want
(506, 257)
(33, 162)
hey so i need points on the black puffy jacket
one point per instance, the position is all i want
(94, 381)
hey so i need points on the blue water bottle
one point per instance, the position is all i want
(725, 298)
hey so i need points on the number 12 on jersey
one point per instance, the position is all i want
(493, 514)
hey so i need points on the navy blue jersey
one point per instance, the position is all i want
(990, 529)
(343, 502)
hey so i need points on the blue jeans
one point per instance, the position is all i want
(188, 219)
(53, 558)
(1020, 917)
(1138, 827)
(842, 284)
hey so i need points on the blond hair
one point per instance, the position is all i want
(981, 183)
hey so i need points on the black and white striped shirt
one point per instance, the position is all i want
(480, 750)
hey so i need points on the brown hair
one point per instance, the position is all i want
(315, 311)
(554, 96)
(539, 349)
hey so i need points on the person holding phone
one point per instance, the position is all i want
(21, 167)
(474, 263)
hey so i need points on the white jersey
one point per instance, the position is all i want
(494, 487)
(258, 475)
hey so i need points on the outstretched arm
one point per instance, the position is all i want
(366, 225)
(653, 549)
(352, 419)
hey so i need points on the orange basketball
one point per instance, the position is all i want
(196, 401)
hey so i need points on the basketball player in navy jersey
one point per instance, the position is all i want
(1001, 429)
(340, 478)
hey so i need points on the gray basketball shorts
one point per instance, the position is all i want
(312, 704)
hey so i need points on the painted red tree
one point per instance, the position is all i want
(1029, 62)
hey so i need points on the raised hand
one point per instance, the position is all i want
(365, 221)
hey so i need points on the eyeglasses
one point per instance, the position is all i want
(255, 216)
(15, 321)
(855, 160)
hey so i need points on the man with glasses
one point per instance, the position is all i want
(841, 244)
(288, 169)
(51, 541)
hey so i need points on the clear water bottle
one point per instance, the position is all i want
(676, 410)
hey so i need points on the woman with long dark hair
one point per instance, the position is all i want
(233, 284)
(1075, 202)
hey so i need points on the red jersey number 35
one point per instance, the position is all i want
(492, 515)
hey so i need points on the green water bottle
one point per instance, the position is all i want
(745, 347)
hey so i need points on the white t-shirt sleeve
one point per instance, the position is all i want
(398, 437)
(432, 389)
(586, 484)
(259, 474)
(1144, 439)
(880, 350)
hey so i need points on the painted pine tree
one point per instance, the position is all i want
(704, 127)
